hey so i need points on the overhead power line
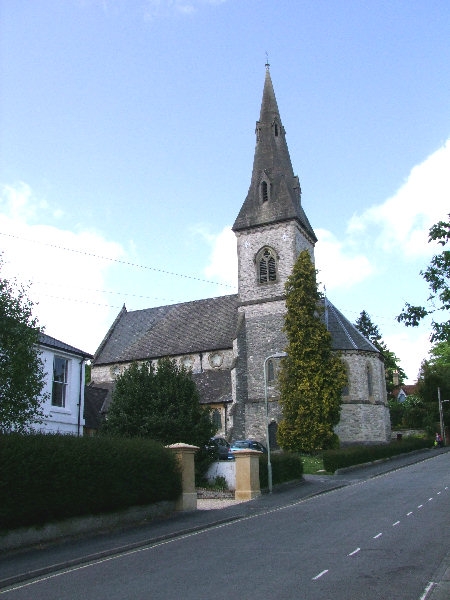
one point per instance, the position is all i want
(116, 260)
(52, 284)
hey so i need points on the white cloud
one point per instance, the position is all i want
(66, 279)
(155, 9)
(223, 264)
(411, 346)
(394, 230)
(402, 222)
(338, 268)
(164, 8)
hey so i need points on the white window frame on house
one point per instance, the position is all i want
(60, 381)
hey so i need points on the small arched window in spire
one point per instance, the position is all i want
(276, 130)
(267, 266)
(264, 191)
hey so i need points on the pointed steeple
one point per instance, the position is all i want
(274, 194)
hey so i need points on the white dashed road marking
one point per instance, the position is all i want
(320, 574)
(378, 535)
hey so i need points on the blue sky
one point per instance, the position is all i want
(127, 141)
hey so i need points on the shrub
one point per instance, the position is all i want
(45, 478)
(356, 455)
(286, 466)
(160, 402)
(204, 457)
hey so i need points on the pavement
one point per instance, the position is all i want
(44, 558)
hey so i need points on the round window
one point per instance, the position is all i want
(215, 359)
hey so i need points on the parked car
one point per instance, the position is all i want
(219, 447)
(244, 444)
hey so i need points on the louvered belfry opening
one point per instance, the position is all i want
(264, 192)
(267, 267)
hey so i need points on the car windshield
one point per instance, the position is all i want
(241, 444)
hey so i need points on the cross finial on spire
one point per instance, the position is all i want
(267, 60)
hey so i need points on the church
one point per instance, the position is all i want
(228, 342)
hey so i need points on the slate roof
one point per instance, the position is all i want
(214, 386)
(105, 391)
(51, 342)
(94, 400)
(199, 326)
(344, 334)
(190, 327)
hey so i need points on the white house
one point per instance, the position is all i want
(64, 367)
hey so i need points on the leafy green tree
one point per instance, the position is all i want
(312, 376)
(161, 403)
(421, 410)
(22, 374)
(87, 373)
(394, 373)
(435, 373)
(437, 275)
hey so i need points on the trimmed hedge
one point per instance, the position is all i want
(356, 455)
(286, 466)
(45, 478)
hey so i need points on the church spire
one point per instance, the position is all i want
(274, 194)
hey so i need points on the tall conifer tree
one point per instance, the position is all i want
(312, 376)
(392, 366)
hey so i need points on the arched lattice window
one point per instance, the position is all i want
(267, 266)
(369, 380)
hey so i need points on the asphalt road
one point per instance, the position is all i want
(380, 537)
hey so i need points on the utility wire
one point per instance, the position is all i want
(116, 260)
(86, 289)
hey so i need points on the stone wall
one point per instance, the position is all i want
(364, 423)
(199, 362)
(358, 387)
(286, 239)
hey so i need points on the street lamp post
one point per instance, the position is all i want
(441, 416)
(269, 464)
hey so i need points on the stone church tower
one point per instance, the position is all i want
(271, 230)
(225, 341)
